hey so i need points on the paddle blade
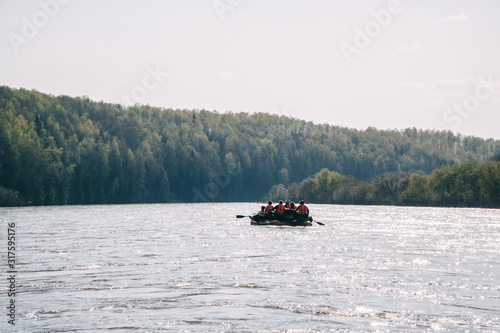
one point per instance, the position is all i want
(240, 216)
(320, 223)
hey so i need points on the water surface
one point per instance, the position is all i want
(196, 268)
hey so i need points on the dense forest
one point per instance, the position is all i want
(465, 184)
(65, 150)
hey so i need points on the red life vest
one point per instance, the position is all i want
(268, 208)
(303, 210)
(280, 209)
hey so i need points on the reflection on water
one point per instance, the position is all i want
(195, 267)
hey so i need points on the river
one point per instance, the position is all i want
(196, 268)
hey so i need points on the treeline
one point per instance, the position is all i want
(64, 150)
(465, 184)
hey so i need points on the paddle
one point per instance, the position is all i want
(320, 223)
(240, 216)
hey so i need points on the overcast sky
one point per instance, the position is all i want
(430, 64)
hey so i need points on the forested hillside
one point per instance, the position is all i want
(64, 150)
(464, 184)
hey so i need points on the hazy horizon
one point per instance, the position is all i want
(383, 64)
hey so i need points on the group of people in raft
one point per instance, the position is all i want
(282, 211)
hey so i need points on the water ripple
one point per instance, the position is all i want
(194, 267)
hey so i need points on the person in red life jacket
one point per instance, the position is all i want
(269, 207)
(302, 210)
(287, 204)
(292, 206)
(279, 211)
